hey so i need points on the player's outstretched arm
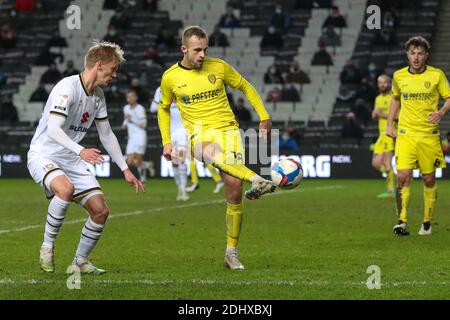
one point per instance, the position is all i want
(109, 141)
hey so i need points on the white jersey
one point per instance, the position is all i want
(137, 124)
(68, 99)
(176, 124)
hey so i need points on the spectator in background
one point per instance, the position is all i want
(296, 74)
(272, 39)
(165, 40)
(273, 75)
(372, 74)
(229, 20)
(7, 38)
(143, 96)
(362, 110)
(350, 74)
(330, 37)
(40, 94)
(153, 60)
(119, 21)
(70, 71)
(150, 5)
(279, 19)
(56, 41)
(8, 112)
(351, 129)
(286, 142)
(274, 95)
(385, 37)
(290, 93)
(48, 56)
(335, 19)
(242, 114)
(52, 75)
(388, 20)
(113, 36)
(25, 5)
(218, 38)
(322, 57)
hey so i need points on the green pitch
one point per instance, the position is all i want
(315, 242)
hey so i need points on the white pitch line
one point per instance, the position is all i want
(210, 282)
(181, 206)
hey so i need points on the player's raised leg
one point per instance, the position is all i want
(233, 191)
(63, 191)
(91, 233)
(233, 165)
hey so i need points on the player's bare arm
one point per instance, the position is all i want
(437, 116)
(393, 112)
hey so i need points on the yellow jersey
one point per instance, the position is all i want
(202, 98)
(419, 97)
(383, 102)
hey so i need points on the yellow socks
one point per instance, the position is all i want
(390, 180)
(193, 168)
(236, 170)
(402, 203)
(429, 197)
(214, 174)
(234, 221)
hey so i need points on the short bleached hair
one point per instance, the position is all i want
(193, 31)
(103, 51)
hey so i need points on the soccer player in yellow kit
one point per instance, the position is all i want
(416, 89)
(198, 84)
(384, 147)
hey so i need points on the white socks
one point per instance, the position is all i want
(90, 234)
(183, 176)
(55, 217)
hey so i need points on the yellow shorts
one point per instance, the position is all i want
(383, 144)
(228, 139)
(424, 152)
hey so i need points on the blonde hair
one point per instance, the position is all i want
(103, 51)
(192, 31)
(385, 77)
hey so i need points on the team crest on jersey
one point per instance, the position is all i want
(85, 117)
(427, 84)
(212, 78)
(186, 99)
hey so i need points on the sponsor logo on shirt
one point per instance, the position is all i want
(418, 96)
(78, 129)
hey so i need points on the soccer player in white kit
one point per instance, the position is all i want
(179, 138)
(57, 161)
(136, 123)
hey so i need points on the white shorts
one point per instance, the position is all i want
(45, 170)
(136, 146)
(179, 140)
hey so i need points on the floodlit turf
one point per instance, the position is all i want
(315, 242)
